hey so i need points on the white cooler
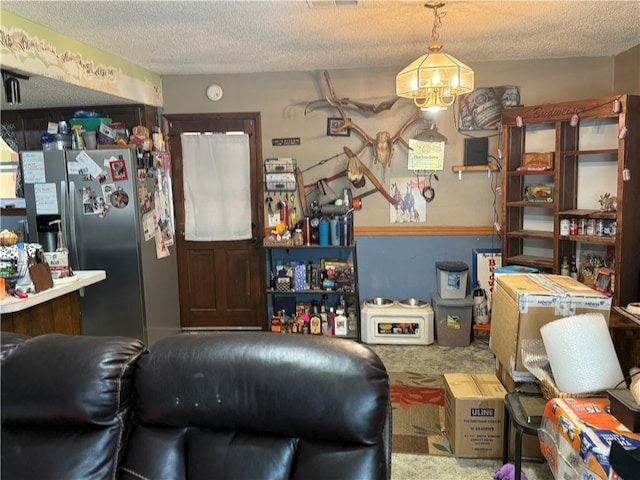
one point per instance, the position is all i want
(404, 322)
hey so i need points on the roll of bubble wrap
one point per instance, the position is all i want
(581, 354)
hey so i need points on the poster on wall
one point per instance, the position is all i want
(481, 109)
(409, 205)
(425, 155)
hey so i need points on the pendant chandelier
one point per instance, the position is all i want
(434, 79)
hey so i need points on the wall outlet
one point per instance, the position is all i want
(273, 219)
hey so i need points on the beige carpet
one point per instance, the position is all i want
(417, 403)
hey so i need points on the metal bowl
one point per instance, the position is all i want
(378, 302)
(412, 303)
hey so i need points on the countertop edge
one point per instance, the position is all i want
(85, 278)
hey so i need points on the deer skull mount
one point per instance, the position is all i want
(383, 143)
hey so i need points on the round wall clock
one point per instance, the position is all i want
(214, 92)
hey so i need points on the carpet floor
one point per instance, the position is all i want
(435, 360)
(417, 403)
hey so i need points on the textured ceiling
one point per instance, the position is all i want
(201, 37)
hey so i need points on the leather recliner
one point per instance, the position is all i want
(220, 405)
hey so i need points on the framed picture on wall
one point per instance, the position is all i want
(335, 127)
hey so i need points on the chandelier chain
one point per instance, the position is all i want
(437, 23)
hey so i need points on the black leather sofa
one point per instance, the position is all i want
(255, 406)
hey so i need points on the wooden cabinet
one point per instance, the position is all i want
(594, 146)
(31, 123)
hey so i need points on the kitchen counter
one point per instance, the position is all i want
(56, 310)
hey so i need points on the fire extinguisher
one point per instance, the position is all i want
(480, 311)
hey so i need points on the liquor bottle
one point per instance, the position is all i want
(315, 324)
(352, 322)
(324, 316)
(573, 271)
(612, 284)
(564, 268)
(341, 319)
(332, 321)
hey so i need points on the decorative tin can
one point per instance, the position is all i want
(600, 228)
(565, 226)
(573, 226)
(591, 226)
(607, 228)
(613, 229)
(582, 226)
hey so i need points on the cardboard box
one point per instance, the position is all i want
(474, 414)
(524, 303)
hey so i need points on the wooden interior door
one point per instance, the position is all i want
(220, 283)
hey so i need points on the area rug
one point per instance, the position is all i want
(417, 404)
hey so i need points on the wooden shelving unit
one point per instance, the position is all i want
(531, 231)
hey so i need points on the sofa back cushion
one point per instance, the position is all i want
(259, 405)
(65, 405)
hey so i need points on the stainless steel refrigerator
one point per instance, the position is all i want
(103, 200)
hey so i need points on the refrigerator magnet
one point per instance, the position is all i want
(119, 198)
(108, 189)
(118, 170)
(103, 208)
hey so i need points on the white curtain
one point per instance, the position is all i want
(217, 189)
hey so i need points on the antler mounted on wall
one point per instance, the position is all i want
(347, 102)
(383, 142)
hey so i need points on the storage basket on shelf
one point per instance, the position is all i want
(279, 174)
(272, 242)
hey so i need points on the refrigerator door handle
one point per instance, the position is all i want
(64, 214)
(73, 241)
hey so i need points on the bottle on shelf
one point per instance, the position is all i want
(315, 323)
(332, 321)
(304, 319)
(352, 322)
(573, 270)
(340, 321)
(564, 268)
(324, 315)
(612, 285)
(341, 325)
(283, 321)
(323, 230)
(334, 231)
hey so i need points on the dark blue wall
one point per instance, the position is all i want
(405, 266)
